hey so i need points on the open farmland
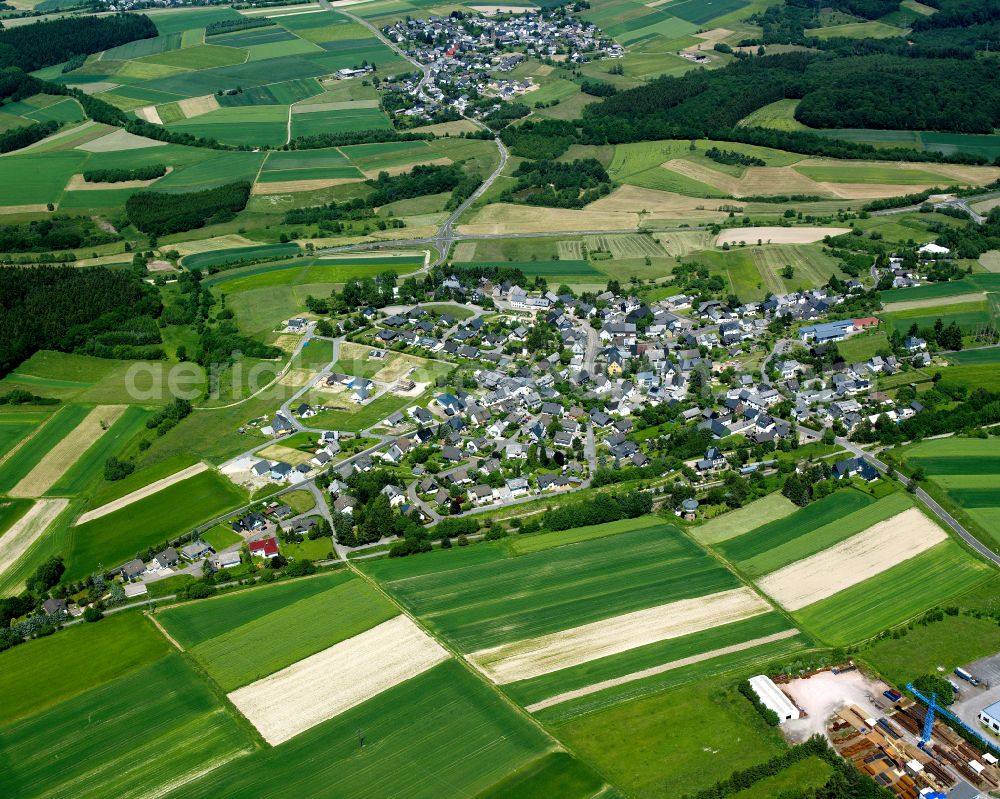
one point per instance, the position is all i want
(853, 560)
(330, 682)
(26, 457)
(442, 734)
(736, 522)
(117, 536)
(522, 660)
(63, 455)
(902, 592)
(648, 743)
(769, 549)
(965, 471)
(331, 608)
(482, 598)
(26, 530)
(129, 737)
(34, 676)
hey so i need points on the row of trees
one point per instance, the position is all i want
(119, 175)
(161, 213)
(608, 508)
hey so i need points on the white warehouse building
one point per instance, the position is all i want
(774, 698)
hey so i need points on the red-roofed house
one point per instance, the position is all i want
(865, 323)
(265, 548)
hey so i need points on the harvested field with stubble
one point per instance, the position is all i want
(330, 682)
(777, 235)
(64, 454)
(196, 106)
(28, 529)
(850, 562)
(523, 660)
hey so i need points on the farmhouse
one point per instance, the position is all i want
(773, 698)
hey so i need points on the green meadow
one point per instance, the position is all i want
(118, 536)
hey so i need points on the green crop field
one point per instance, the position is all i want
(506, 599)
(647, 744)
(51, 433)
(736, 522)
(966, 471)
(967, 315)
(16, 425)
(870, 173)
(442, 734)
(33, 179)
(203, 260)
(524, 545)
(288, 633)
(90, 465)
(35, 676)
(554, 271)
(11, 510)
(259, 124)
(900, 593)
(175, 21)
(823, 536)
(118, 536)
(947, 143)
(930, 291)
(134, 734)
(801, 523)
(339, 121)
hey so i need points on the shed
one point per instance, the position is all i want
(773, 698)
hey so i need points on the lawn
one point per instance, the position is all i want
(131, 736)
(802, 522)
(894, 596)
(756, 514)
(299, 501)
(488, 599)
(860, 348)
(220, 537)
(650, 748)
(36, 675)
(813, 772)
(288, 632)
(954, 641)
(118, 536)
(442, 734)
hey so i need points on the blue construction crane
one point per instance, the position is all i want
(934, 708)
